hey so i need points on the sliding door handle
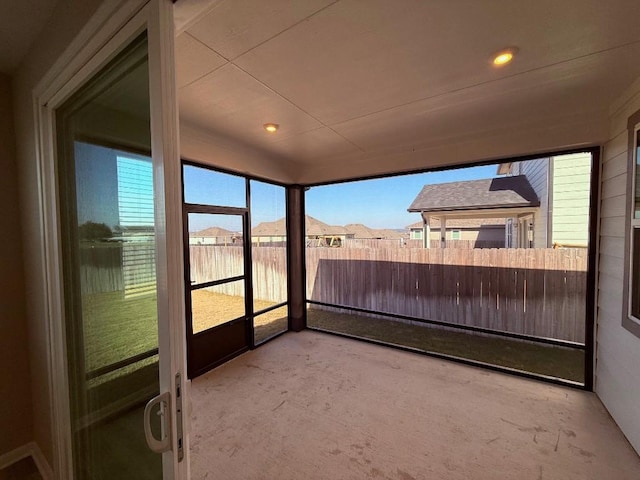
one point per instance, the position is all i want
(164, 443)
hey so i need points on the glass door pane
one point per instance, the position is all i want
(213, 306)
(217, 267)
(109, 268)
(215, 247)
(269, 260)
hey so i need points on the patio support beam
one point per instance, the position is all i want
(296, 258)
(443, 232)
(426, 232)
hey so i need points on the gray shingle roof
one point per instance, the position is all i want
(504, 192)
(212, 232)
(277, 228)
(314, 227)
(362, 231)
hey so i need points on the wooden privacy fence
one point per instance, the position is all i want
(538, 292)
(269, 270)
(111, 267)
(117, 267)
(101, 268)
(532, 291)
(413, 243)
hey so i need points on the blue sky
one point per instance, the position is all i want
(209, 187)
(381, 203)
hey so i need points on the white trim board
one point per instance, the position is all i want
(32, 450)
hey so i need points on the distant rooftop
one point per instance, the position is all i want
(504, 192)
(362, 231)
(213, 232)
(315, 227)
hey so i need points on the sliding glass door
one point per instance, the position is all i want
(116, 161)
(109, 268)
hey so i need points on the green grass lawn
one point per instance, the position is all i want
(117, 328)
(537, 358)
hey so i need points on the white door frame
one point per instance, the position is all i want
(113, 26)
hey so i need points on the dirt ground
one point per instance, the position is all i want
(211, 309)
(116, 327)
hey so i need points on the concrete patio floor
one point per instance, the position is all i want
(315, 406)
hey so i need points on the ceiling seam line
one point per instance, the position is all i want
(293, 104)
(202, 76)
(227, 61)
(461, 89)
(207, 46)
(285, 30)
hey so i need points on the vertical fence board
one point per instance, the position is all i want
(531, 291)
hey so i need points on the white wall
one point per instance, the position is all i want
(570, 199)
(617, 350)
(223, 152)
(537, 174)
(16, 427)
(67, 20)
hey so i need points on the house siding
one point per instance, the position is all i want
(537, 174)
(485, 234)
(617, 350)
(570, 199)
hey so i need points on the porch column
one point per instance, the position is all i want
(443, 232)
(426, 232)
(296, 253)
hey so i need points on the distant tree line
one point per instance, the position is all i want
(93, 231)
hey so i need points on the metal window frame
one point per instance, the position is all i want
(247, 276)
(591, 280)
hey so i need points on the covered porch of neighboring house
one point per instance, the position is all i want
(473, 232)
(510, 199)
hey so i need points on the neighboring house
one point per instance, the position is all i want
(317, 233)
(469, 229)
(269, 232)
(361, 231)
(440, 204)
(320, 234)
(215, 236)
(562, 184)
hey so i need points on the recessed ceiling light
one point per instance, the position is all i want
(271, 127)
(503, 56)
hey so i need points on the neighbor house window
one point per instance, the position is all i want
(455, 235)
(631, 319)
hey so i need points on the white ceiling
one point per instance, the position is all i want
(20, 24)
(362, 87)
